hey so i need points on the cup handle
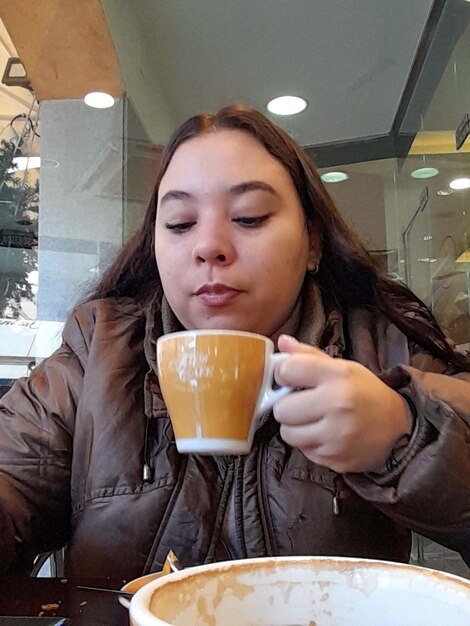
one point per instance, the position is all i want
(270, 395)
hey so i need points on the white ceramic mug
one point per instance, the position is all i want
(216, 383)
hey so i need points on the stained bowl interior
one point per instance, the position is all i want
(304, 591)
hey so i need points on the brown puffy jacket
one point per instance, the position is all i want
(76, 435)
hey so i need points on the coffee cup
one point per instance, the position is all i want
(216, 384)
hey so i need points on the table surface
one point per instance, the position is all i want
(26, 597)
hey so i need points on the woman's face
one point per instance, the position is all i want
(231, 242)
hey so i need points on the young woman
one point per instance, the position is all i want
(240, 234)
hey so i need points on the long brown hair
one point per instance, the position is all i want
(347, 274)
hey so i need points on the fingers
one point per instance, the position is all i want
(317, 443)
(305, 436)
(301, 407)
(287, 343)
(305, 369)
(312, 438)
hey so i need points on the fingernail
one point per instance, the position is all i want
(282, 369)
(288, 338)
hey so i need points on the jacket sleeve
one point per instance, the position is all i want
(36, 432)
(428, 488)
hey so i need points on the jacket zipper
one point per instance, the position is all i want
(336, 497)
(147, 471)
(263, 503)
(336, 507)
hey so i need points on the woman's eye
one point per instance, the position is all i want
(251, 222)
(181, 227)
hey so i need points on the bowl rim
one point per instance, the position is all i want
(145, 579)
(140, 601)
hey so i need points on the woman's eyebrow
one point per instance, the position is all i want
(175, 194)
(235, 190)
(252, 185)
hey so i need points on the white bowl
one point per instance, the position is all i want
(304, 591)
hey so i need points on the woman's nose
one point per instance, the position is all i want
(214, 246)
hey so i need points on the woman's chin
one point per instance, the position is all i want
(221, 322)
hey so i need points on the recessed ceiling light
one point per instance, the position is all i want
(334, 177)
(99, 100)
(460, 183)
(286, 105)
(25, 163)
(425, 172)
(445, 192)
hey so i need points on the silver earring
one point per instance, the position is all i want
(315, 270)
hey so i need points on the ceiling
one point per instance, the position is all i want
(13, 100)
(350, 60)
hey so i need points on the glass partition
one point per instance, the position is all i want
(61, 198)
(414, 207)
(437, 262)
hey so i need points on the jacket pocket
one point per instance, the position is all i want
(299, 468)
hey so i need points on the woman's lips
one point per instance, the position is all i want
(216, 295)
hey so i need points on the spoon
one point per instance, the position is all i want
(171, 562)
(124, 594)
